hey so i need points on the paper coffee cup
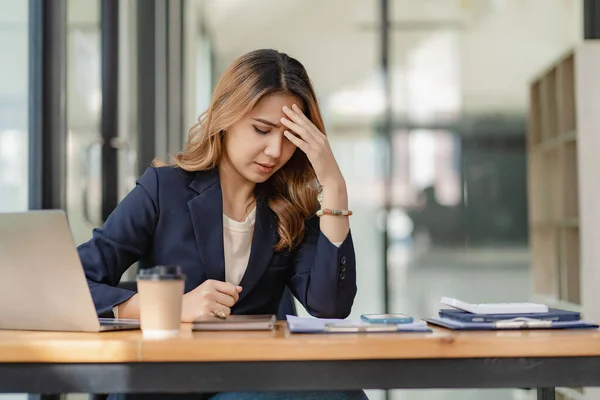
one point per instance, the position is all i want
(161, 295)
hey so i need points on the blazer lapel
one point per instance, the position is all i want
(261, 251)
(206, 210)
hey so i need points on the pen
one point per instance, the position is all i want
(523, 323)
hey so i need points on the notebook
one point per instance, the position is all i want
(495, 308)
(516, 323)
(236, 323)
(553, 314)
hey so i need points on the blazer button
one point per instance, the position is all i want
(343, 260)
(343, 269)
(342, 276)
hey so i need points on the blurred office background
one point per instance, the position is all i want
(425, 102)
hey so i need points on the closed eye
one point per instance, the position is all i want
(260, 132)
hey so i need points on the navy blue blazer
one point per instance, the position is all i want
(174, 217)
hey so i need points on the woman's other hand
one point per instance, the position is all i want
(210, 297)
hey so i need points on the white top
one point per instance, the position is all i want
(237, 240)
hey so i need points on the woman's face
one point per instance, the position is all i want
(255, 146)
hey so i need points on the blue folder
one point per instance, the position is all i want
(553, 314)
(516, 323)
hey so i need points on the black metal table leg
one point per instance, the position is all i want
(546, 394)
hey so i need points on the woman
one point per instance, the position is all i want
(238, 210)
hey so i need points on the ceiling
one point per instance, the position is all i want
(474, 56)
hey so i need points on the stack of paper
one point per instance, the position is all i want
(319, 325)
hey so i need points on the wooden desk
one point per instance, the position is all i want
(48, 362)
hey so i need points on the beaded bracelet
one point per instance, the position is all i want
(327, 211)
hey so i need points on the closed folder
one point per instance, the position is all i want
(553, 314)
(236, 323)
(515, 323)
(320, 325)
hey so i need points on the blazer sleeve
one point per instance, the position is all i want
(123, 240)
(324, 275)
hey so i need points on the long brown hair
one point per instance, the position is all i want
(291, 193)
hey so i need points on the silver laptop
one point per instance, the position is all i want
(42, 283)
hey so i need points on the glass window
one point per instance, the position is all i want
(84, 104)
(13, 105)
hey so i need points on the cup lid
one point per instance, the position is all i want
(161, 273)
